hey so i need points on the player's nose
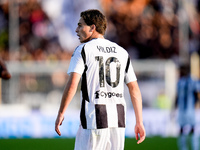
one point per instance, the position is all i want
(76, 30)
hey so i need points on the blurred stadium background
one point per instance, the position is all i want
(37, 39)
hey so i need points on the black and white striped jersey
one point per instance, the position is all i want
(105, 67)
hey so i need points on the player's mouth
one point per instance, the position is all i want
(78, 36)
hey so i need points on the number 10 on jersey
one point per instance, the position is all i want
(107, 71)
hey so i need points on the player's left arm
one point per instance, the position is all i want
(68, 94)
(136, 99)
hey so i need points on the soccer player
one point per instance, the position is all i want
(4, 73)
(187, 96)
(104, 67)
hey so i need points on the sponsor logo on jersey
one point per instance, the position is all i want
(104, 94)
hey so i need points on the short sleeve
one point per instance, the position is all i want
(76, 62)
(130, 74)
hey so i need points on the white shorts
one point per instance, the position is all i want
(100, 139)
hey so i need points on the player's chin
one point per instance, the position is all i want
(81, 40)
(84, 40)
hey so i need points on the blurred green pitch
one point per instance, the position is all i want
(150, 143)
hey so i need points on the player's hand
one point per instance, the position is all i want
(58, 123)
(140, 132)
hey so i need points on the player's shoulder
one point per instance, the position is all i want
(78, 49)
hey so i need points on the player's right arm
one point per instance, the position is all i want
(75, 71)
(68, 94)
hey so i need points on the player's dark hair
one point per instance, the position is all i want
(94, 16)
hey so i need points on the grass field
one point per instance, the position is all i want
(153, 143)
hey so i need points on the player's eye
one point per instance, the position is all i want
(79, 25)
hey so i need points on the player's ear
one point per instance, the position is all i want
(92, 28)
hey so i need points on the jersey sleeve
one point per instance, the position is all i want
(76, 62)
(130, 74)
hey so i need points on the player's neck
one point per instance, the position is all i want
(96, 35)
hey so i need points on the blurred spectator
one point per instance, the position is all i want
(3, 28)
(4, 73)
(149, 28)
(37, 37)
(143, 28)
(187, 96)
(146, 28)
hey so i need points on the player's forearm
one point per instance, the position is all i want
(66, 99)
(136, 99)
(69, 92)
(138, 110)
